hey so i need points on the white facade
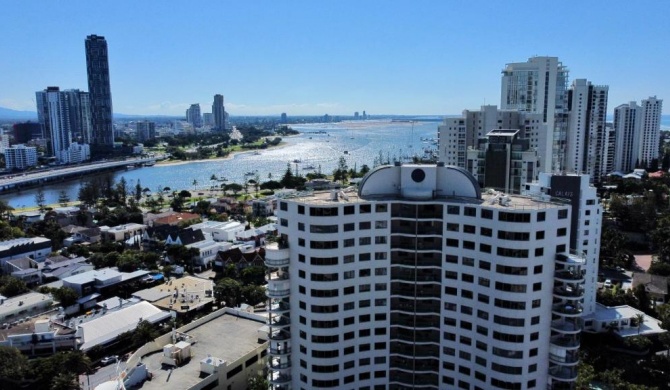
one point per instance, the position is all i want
(418, 280)
(457, 135)
(586, 140)
(539, 86)
(650, 130)
(637, 133)
(79, 153)
(65, 116)
(586, 220)
(220, 231)
(20, 157)
(626, 122)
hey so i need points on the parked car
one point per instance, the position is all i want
(107, 360)
(608, 283)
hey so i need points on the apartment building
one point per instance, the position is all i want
(419, 280)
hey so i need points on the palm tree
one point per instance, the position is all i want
(639, 318)
(195, 185)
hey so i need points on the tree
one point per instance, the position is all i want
(258, 382)
(121, 191)
(5, 210)
(65, 381)
(639, 319)
(234, 187)
(40, 200)
(65, 295)
(138, 190)
(89, 193)
(195, 185)
(144, 333)
(63, 198)
(11, 286)
(228, 291)
(13, 364)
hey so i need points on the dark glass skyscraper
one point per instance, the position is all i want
(97, 66)
(219, 113)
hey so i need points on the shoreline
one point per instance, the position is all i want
(230, 156)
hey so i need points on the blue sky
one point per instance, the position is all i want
(335, 57)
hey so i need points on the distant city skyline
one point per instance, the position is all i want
(306, 58)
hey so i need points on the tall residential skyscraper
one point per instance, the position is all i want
(418, 280)
(539, 86)
(97, 66)
(650, 130)
(193, 115)
(145, 130)
(457, 135)
(219, 112)
(637, 133)
(65, 117)
(626, 124)
(587, 140)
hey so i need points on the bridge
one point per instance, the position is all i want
(20, 181)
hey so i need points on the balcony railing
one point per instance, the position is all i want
(563, 373)
(277, 262)
(569, 275)
(278, 293)
(565, 341)
(567, 309)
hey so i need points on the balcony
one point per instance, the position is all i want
(567, 309)
(279, 351)
(279, 335)
(278, 364)
(282, 262)
(277, 276)
(279, 322)
(566, 326)
(571, 259)
(281, 307)
(278, 293)
(278, 379)
(563, 373)
(570, 359)
(570, 342)
(569, 276)
(568, 292)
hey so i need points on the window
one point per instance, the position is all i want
(324, 277)
(380, 255)
(469, 229)
(513, 217)
(380, 271)
(380, 286)
(468, 261)
(283, 222)
(454, 210)
(323, 211)
(487, 214)
(486, 248)
(349, 242)
(541, 216)
(381, 208)
(364, 257)
(486, 232)
(349, 227)
(365, 209)
(283, 206)
(366, 225)
(484, 265)
(380, 240)
(348, 259)
(323, 244)
(365, 272)
(453, 227)
(560, 232)
(562, 214)
(513, 305)
(349, 274)
(348, 210)
(321, 229)
(451, 259)
(381, 224)
(470, 211)
(301, 242)
(323, 260)
(364, 241)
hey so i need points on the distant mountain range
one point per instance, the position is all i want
(8, 114)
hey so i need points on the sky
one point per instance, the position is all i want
(328, 57)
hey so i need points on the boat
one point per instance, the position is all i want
(150, 163)
(296, 161)
(251, 173)
(309, 167)
(346, 152)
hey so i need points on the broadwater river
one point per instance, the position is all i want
(318, 145)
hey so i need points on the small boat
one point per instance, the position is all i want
(296, 161)
(250, 173)
(309, 167)
(346, 152)
(150, 163)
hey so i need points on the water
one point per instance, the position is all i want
(362, 141)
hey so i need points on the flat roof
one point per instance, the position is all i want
(89, 276)
(27, 300)
(616, 313)
(227, 337)
(191, 292)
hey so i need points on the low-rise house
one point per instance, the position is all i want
(64, 269)
(185, 237)
(239, 258)
(122, 232)
(81, 234)
(207, 251)
(220, 231)
(177, 219)
(263, 207)
(655, 285)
